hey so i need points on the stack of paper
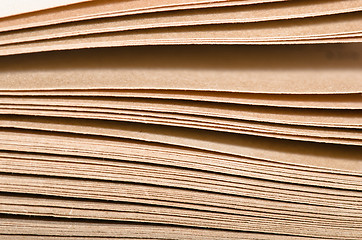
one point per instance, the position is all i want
(181, 119)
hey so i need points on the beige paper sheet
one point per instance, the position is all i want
(165, 196)
(321, 135)
(108, 169)
(131, 150)
(248, 69)
(294, 116)
(319, 101)
(148, 214)
(265, 32)
(241, 14)
(301, 153)
(111, 8)
(239, 187)
(94, 208)
(125, 231)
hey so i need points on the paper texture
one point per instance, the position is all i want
(240, 14)
(181, 119)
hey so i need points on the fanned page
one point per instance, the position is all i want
(181, 119)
